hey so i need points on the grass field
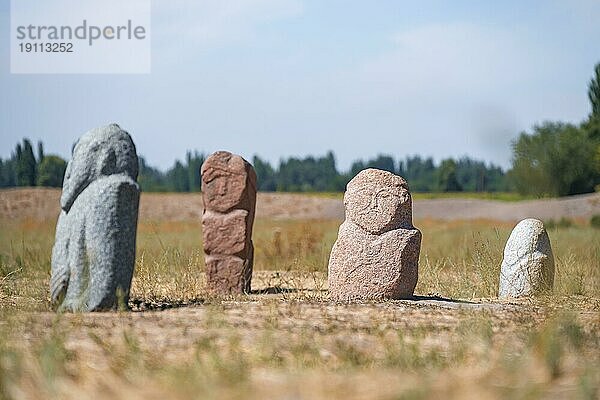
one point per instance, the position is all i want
(287, 340)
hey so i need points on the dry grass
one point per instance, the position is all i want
(288, 340)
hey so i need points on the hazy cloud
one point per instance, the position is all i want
(215, 23)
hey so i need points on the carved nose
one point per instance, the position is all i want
(374, 203)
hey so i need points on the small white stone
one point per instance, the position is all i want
(528, 263)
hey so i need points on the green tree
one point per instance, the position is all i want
(150, 179)
(51, 171)
(26, 164)
(265, 175)
(592, 126)
(194, 162)
(420, 173)
(178, 178)
(308, 174)
(594, 93)
(476, 176)
(446, 177)
(40, 157)
(8, 174)
(2, 174)
(382, 161)
(555, 160)
(327, 176)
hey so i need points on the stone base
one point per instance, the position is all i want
(229, 274)
(365, 266)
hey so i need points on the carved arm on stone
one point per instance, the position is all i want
(59, 280)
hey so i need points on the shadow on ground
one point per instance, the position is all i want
(433, 301)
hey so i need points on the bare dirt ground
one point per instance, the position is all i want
(38, 203)
(278, 346)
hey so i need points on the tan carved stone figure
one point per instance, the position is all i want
(229, 194)
(376, 254)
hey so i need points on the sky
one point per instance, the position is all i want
(281, 78)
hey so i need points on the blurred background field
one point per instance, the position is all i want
(286, 340)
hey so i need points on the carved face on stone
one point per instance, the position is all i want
(224, 177)
(378, 201)
(100, 152)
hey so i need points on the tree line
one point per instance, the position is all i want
(321, 175)
(309, 174)
(554, 159)
(23, 168)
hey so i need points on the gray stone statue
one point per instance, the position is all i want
(94, 251)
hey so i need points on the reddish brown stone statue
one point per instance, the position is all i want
(229, 194)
